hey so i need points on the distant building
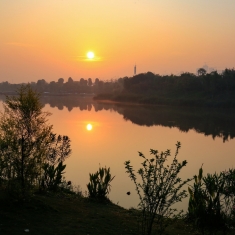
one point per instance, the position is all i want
(135, 69)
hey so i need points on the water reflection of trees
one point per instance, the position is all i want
(70, 102)
(210, 122)
(217, 123)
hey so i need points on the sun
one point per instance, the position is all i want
(89, 127)
(90, 55)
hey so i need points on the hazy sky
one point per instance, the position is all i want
(49, 39)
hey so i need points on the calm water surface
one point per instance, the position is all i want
(120, 131)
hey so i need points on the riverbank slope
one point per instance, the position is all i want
(69, 214)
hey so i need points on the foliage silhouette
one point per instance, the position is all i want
(211, 202)
(52, 176)
(27, 142)
(160, 188)
(99, 185)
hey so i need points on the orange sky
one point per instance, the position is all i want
(49, 39)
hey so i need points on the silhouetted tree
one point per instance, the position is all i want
(201, 72)
(60, 80)
(70, 80)
(24, 136)
(27, 141)
(97, 81)
(89, 82)
(52, 86)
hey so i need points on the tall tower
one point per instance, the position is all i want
(135, 69)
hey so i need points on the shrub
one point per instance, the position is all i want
(52, 177)
(229, 197)
(211, 202)
(99, 185)
(27, 143)
(159, 190)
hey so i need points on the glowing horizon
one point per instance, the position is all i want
(50, 39)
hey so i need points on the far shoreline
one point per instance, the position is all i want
(173, 105)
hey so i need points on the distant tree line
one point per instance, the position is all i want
(71, 86)
(210, 83)
(187, 89)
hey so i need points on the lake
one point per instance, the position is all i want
(120, 131)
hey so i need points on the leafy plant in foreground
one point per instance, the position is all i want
(160, 188)
(229, 199)
(211, 202)
(24, 136)
(27, 143)
(52, 177)
(99, 185)
(59, 148)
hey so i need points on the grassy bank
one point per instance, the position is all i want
(66, 214)
(70, 214)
